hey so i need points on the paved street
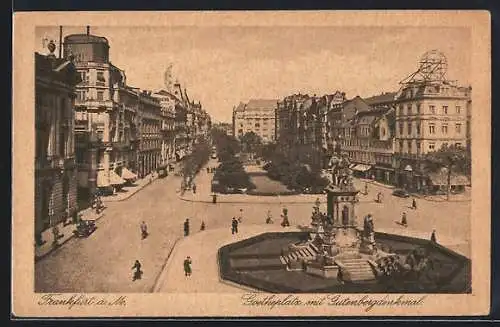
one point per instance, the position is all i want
(103, 262)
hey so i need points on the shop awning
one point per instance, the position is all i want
(441, 178)
(351, 166)
(114, 179)
(180, 154)
(127, 174)
(361, 167)
(102, 179)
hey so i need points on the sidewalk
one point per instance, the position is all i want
(65, 234)
(434, 198)
(128, 191)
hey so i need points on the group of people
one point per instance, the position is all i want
(285, 221)
(210, 170)
(389, 266)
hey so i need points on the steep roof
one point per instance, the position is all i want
(62, 69)
(270, 104)
(385, 97)
(240, 107)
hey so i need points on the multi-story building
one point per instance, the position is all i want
(341, 115)
(258, 116)
(55, 169)
(151, 136)
(96, 111)
(167, 102)
(368, 140)
(224, 127)
(429, 114)
(289, 119)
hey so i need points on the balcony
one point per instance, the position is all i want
(121, 145)
(414, 156)
(93, 103)
(54, 163)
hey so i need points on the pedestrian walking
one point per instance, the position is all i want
(433, 236)
(240, 217)
(285, 222)
(202, 227)
(138, 272)
(214, 198)
(379, 197)
(269, 218)
(186, 227)
(234, 226)
(194, 188)
(366, 188)
(414, 204)
(187, 266)
(144, 230)
(404, 222)
(56, 236)
(208, 170)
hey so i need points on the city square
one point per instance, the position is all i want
(137, 190)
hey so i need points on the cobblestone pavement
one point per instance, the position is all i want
(103, 262)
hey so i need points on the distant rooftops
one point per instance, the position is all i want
(385, 97)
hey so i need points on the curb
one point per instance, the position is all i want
(132, 194)
(258, 202)
(154, 288)
(38, 258)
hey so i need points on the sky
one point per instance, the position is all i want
(223, 65)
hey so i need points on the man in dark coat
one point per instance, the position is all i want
(234, 226)
(137, 272)
(144, 230)
(186, 227)
(414, 204)
(404, 222)
(187, 267)
(433, 236)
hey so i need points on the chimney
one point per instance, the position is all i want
(88, 30)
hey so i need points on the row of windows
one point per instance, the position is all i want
(432, 109)
(431, 146)
(151, 144)
(432, 128)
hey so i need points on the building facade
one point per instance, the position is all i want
(167, 103)
(258, 116)
(98, 112)
(149, 157)
(55, 167)
(428, 115)
(368, 140)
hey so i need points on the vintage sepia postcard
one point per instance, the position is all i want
(251, 164)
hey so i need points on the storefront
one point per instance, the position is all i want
(362, 170)
(384, 174)
(438, 182)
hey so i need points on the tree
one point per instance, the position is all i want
(454, 158)
(198, 157)
(268, 151)
(250, 142)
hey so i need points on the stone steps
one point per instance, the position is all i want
(358, 269)
(304, 253)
